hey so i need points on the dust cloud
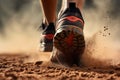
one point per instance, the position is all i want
(102, 43)
(20, 29)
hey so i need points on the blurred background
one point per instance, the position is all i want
(20, 20)
(9, 8)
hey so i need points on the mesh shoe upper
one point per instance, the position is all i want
(71, 16)
(48, 33)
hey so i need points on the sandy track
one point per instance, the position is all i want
(15, 67)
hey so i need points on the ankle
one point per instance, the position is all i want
(71, 6)
(79, 3)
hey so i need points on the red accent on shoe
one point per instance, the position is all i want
(74, 19)
(49, 36)
(69, 40)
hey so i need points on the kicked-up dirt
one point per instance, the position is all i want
(15, 67)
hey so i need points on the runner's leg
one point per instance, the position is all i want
(49, 10)
(48, 27)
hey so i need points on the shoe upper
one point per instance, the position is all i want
(71, 16)
(48, 34)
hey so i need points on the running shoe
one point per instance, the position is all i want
(46, 42)
(68, 42)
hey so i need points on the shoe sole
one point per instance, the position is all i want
(69, 39)
(69, 45)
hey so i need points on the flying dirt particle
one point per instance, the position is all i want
(106, 28)
(105, 32)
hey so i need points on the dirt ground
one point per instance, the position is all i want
(15, 67)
